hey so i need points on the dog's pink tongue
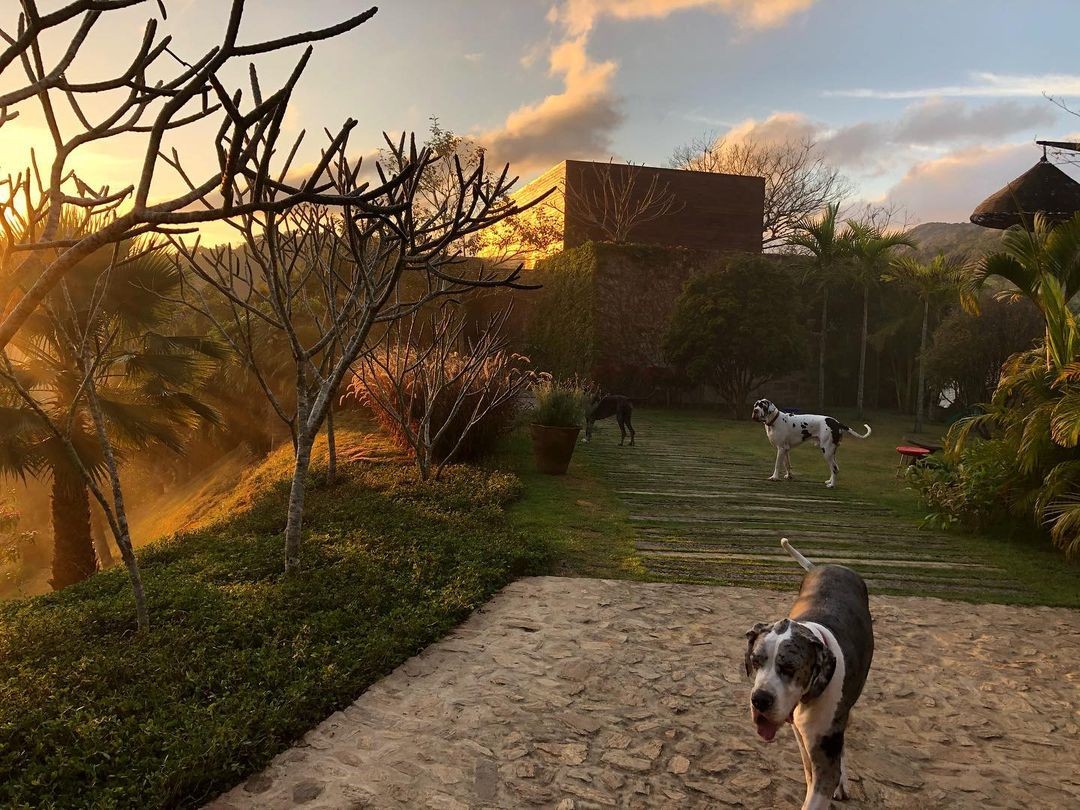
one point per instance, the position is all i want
(765, 729)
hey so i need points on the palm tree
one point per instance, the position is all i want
(827, 250)
(871, 248)
(1035, 411)
(94, 375)
(1044, 266)
(928, 280)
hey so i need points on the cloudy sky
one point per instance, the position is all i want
(931, 104)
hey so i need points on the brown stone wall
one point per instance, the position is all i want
(721, 212)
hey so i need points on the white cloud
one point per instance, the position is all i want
(579, 16)
(575, 123)
(873, 148)
(947, 188)
(981, 85)
(580, 120)
(937, 120)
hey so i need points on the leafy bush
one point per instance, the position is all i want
(737, 327)
(559, 404)
(966, 489)
(967, 351)
(240, 661)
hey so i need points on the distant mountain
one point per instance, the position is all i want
(960, 239)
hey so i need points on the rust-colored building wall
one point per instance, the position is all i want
(718, 212)
(713, 211)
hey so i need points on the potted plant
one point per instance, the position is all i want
(556, 422)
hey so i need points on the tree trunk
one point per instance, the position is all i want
(100, 534)
(862, 350)
(821, 349)
(920, 392)
(121, 529)
(295, 523)
(331, 448)
(73, 548)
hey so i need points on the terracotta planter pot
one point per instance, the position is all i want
(553, 447)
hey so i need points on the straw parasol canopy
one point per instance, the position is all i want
(1043, 188)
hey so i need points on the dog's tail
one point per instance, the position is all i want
(859, 435)
(799, 558)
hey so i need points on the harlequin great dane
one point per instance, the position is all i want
(787, 430)
(809, 669)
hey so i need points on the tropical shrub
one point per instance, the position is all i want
(1032, 422)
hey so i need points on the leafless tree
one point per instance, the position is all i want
(150, 97)
(320, 280)
(435, 386)
(90, 346)
(616, 201)
(799, 183)
(508, 241)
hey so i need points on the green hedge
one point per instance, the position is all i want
(561, 332)
(241, 661)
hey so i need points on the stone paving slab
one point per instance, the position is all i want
(576, 693)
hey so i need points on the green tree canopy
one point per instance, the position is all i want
(737, 327)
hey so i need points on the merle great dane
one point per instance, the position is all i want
(787, 430)
(809, 669)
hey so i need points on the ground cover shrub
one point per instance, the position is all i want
(242, 659)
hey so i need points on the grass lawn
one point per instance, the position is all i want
(577, 515)
(240, 661)
(598, 534)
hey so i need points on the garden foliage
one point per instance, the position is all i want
(241, 660)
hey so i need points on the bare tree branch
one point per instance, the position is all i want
(245, 143)
(799, 183)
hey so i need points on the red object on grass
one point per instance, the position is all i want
(910, 455)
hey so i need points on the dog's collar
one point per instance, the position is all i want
(775, 417)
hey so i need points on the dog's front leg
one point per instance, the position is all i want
(807, 773)
(843, 793)
(826, 754)
(787, 463)
(779, 466)
(834, 468)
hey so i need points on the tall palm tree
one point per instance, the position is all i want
(827, 249)
(871, 249)
(98, 353)
(928, 280)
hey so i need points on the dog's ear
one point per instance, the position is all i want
(751, 639)
(822, 671)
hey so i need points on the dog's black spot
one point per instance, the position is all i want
(805, 433)
(832, 745)
(822, 451)
(836, 428)
(797, 656)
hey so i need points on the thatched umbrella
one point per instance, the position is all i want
(1043, 188)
